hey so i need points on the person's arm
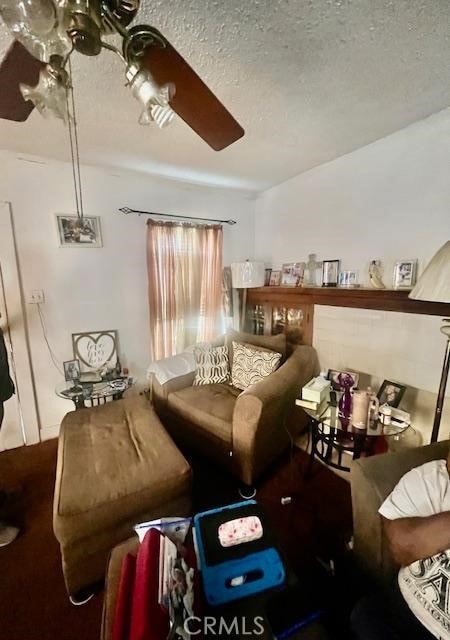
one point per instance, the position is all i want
(412, 539)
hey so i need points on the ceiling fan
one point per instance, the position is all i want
(36, 68)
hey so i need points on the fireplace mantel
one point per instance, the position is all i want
(266, 305)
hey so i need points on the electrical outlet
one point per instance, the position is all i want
(36, 297)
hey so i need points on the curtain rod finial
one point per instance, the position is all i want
(125, 210)
(231, 221)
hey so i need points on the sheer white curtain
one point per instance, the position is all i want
(184, 285)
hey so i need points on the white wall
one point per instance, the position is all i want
(89, 289)
(389, 200)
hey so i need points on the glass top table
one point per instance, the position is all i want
(90, 394)
(332, 437)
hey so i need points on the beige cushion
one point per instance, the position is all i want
(251, 364)
(209, 406)
(274, 343)
(115, 460)
(212, 366)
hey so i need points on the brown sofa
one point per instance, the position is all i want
(372, 480)
(242, 431)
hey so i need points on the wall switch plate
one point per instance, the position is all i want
(36, 297)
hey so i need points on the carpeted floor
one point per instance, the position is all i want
(33, 602)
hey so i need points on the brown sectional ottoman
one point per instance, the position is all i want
(116, 466)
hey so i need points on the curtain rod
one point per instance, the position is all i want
(127, 210)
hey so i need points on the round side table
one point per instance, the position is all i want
(331, 438)
(92, 394)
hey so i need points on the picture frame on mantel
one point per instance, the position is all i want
(330, 273)
(76, 232)
(405, 274)
(275, 278)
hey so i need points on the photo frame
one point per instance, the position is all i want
(95, 349)
(405, 274)
(267, 274)
(72, 370)
(79, 232)
(275, 278)
(348, 279)
(333, 374)
(330, 273)
(292, 274)
(391, 393)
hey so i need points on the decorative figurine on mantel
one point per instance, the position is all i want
(310, 279)
(375, 275)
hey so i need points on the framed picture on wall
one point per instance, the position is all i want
(79, 232)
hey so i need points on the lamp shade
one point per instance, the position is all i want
(434, 283)
(247, 275)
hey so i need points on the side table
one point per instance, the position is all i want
(92, 394)
(331, 438)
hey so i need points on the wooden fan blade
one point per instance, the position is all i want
(193, 101)
(17, 66)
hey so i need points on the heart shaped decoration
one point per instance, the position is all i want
(96, 349)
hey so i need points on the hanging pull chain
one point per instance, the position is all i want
(74, 147)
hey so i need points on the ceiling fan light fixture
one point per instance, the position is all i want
(153, 97)
(39, 25)
(85, 26)
(49, 96)
(33, 17)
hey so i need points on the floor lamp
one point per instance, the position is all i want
(246, 275)
(434, 286)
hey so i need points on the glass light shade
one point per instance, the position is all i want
(247, 275)
(36, 17)
(434, 284)
(49, 95)
(38, 25)
(153, 97)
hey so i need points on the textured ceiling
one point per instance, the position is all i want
(309, 80)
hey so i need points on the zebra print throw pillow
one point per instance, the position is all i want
(211, 364)
(251, 364)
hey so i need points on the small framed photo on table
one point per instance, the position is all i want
(336, 377)
(405, 273)
(72, 370)
(330, 273)
(391, 393)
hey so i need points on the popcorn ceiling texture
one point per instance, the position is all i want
(309, 80)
